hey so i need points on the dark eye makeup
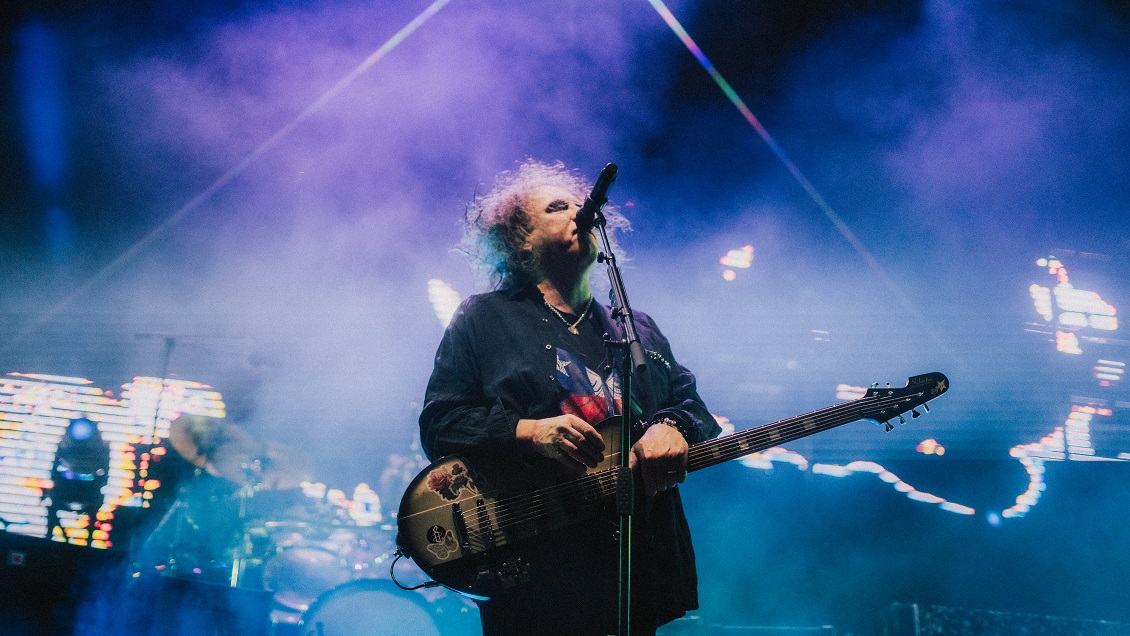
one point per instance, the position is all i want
(557, 206)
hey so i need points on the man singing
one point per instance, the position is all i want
(523, 375)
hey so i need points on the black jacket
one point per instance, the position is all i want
(497, 364)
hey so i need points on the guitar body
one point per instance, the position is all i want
(471, 523)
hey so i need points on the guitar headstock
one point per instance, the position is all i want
(881, 405)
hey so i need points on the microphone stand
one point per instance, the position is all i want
(634, 361)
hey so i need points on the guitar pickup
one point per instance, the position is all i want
(485, 530)
(460, 527)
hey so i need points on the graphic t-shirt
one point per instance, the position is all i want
(589, 382)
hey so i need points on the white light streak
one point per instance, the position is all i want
(445, 300)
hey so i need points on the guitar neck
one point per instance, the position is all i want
(721, 449)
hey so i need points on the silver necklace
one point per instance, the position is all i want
(571, 325)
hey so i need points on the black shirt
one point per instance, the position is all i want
(506, 357)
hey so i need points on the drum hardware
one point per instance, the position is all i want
(211, 526)
(241, 553)
(246, 521)
(194, 537)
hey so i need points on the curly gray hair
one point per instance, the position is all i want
(496, 226)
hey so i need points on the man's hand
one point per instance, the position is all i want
(661, 457)
(566, 438)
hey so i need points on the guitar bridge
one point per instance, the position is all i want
(507, 575)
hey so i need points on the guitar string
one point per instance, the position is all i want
(504, 515)
(600, 484)
(483, 537)
(738, 442)
(582, 490)
(728, 444)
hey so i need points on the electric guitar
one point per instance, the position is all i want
(464, 521)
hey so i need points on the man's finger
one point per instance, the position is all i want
(584, 452)
(588, 440)
(651, 478)
(578, 454)
(592, 435)
(569, 459)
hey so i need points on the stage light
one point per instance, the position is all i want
(1042, 297)
(37, 411)
(1067, 342)
(956, 508)
(1079, 309)
(365, 509)
(1073, 319)
(1070, 299)
(1109, 372)
(1105, 323)
(897, 483)
(849, 392)
(930, 447)
(445, 300)
(764, 460)
(50, 378)
(738, 259)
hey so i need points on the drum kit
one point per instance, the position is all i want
(250, 518)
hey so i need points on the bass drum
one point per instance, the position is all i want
(298, 574)
(369, 607)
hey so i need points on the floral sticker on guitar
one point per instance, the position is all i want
(448, 482)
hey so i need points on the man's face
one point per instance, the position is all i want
(552, 214)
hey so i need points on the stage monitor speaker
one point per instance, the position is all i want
(913, 619)
(42, 582)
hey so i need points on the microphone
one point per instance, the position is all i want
(586, 216)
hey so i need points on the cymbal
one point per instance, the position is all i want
(283, 467)
(191, 437)
(227, 451)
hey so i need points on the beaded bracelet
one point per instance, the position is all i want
(683, 430)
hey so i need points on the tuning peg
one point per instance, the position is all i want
(888, 426)
(927, 407)
(902, 420)
(874, 385)
(914, 413)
